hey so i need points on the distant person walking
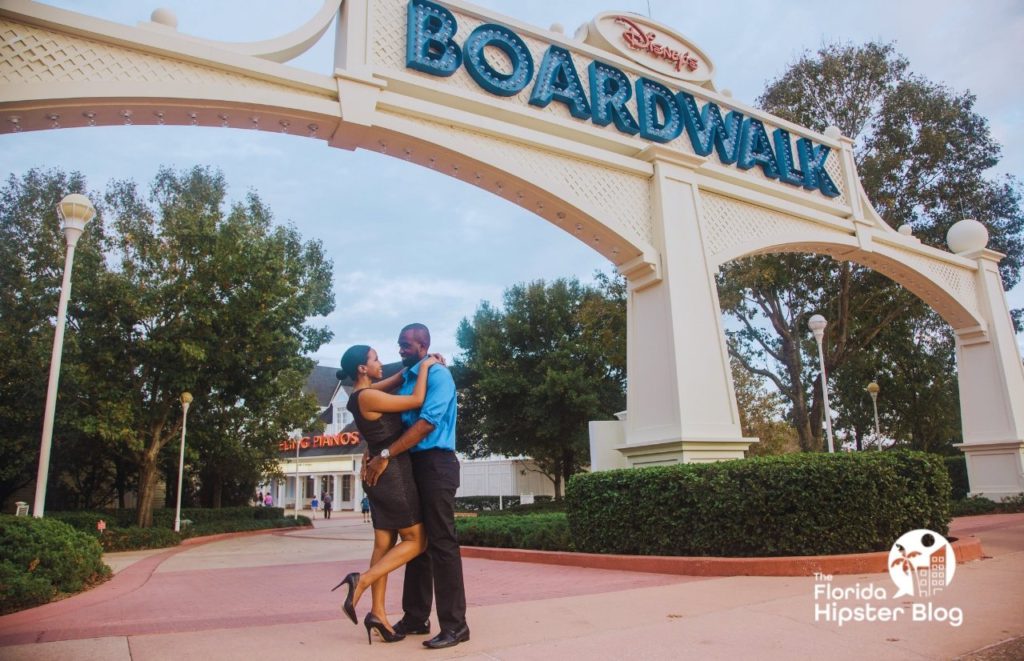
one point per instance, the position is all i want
(365, 505)
(315, 505)
(268, 500)
(328, 505)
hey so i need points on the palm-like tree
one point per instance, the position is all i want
(904, 559)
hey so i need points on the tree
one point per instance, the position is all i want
(175, 295)
(761, 414)
(32, 250)
(535, 372)
(922, 153)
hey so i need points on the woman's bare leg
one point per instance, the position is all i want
(414, 542)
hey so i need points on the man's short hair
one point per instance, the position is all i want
(420, 332)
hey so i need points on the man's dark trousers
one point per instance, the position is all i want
(439, 570)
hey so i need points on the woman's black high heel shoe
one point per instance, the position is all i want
(372, 622)
(349, 609)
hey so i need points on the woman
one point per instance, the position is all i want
(394, 500)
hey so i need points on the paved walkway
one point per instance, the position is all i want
(267, 596)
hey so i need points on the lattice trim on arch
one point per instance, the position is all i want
(729, 223)
(29, 54)
(624, 198)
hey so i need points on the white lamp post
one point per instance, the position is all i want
(186, 399)
(817, 324)
(298, 442)
(75, 211)
(873, 389)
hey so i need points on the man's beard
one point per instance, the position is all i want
(409, 361)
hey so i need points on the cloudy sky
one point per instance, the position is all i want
(412, 245)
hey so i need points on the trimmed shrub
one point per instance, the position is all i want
(797, 504)
(545, 532)
(490, 503)
(42, 558)
(972, 506)
(122, 535)
(957, 468)
(137, 539)
(981, 505)
(542, 507)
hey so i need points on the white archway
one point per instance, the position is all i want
(617, 135)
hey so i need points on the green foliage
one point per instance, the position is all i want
(491, 503)
(761, 414)
(973, 505)
(796, 504)
(545, 506)
(537, 370)
(923, 154)
(136, 539)
(172, 291)
(122, 535)
(544, 532)
(957, 467)
(43, 558)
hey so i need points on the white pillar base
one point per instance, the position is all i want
(995, 470)
(609, 450)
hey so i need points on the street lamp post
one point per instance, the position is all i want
(817, 324)
(75, 211)
(298, 443)
(186, 399)
(873, 389)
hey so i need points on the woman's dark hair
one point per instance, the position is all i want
(353, 358)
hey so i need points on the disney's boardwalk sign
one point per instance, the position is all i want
(661, 114)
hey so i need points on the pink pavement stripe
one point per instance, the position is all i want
(196, 600)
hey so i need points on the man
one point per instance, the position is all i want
(430, 439)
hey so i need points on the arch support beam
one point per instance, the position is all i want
(680, 401)
(991, 379)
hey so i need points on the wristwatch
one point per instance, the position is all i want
(385, 453)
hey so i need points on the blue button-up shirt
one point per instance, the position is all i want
(439, 407)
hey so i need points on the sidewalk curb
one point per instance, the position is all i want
(966, 549)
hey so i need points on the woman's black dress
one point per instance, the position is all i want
(394, 500)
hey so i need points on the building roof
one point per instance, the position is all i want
(323, 383)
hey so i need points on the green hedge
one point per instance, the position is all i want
(545, 531)
(122, 535)
(797, 504)
(541, 507)
(982, 505)
(490, 503)
(164, 516)
(957, 468)
(43, 558)
(136, 539)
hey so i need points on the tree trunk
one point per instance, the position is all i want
(147, 490)
(218, 491)
(120, 479)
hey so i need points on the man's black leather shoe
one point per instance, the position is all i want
(406, 629)
(448, 638)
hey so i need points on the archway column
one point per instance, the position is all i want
(991, 380)
(680, 401)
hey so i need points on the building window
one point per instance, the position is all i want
(346, 488)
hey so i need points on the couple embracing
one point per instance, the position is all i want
(410, 474)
